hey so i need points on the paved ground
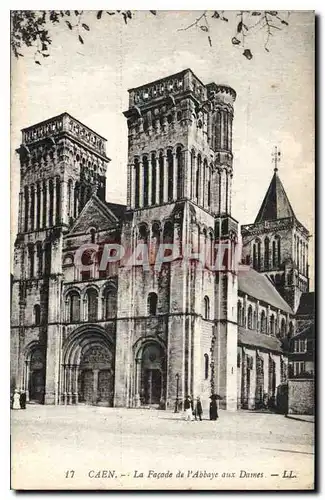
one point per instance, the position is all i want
(48, 441)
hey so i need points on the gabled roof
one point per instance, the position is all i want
(253, 338)
(276, 204)
(306, 305)
(261, 288)
(95, 213)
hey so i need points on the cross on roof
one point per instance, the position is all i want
(276, 158)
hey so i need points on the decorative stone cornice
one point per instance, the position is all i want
(63, 124)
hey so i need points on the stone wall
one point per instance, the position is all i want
(301, 396)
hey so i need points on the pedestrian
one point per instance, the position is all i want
(16, 400)
(188, 407)
(22, 400)
(198, 409)
(213, 407)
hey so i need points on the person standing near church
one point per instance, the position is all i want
(188, 407)
(16, 400)
(213, 407)
(198, 409)
(22, 400)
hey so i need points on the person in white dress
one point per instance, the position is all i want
(16, 401)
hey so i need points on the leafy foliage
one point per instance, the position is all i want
(268, 21)
(32, 28)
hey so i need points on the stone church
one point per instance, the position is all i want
(132, 337)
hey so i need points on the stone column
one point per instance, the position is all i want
(73, 384)
(69, 380)
(245, 311)
(222, 124)
(27, 379)
(203, 182)
(23, 384)
(230, 131)
(258, 326)
(268, 314)
(223, 191)
(132, 186)
(41, 205)
(95, 386)
(141, 185)
(149, 180)
(65, 209)
(244, 395)
(27, 204)
(226, 191)
(137, 402)
(175, 170)
(54, 202)
(157, 181)
(35, 207)
(165, 179)
(186, 158)
(36, 262)
(129, 185)
(140, 124)
(76, 384)
(21, 212)
(230, 176)
(266, 372)
(31, 203)
(252, 388)
(47, 203)
(84, 311)
(192, 176)
(65, 384)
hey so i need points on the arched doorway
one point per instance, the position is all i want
(88, 368)
(151, 374)
(95, 380)
(36, 378)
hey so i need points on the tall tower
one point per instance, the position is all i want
(177, 332)
(277, 243)
(62, 163)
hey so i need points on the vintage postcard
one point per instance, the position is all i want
(162, 203)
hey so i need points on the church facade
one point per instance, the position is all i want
(137, 335)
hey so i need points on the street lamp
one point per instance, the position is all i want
(177, 388)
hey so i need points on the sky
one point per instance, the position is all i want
(274, 105)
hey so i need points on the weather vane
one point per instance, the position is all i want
(276, 158)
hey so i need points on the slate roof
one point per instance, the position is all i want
(117, 209)
(276, 204)
(307, 304)
(261, 288)
(253, 338)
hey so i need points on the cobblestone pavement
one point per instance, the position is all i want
(242, 450)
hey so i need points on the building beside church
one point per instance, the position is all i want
(122, 336)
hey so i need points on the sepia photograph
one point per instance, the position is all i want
(162, 283)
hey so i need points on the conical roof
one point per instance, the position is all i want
(276, 204)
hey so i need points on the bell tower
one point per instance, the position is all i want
(179, 194)
(62, 163)
(277, 243)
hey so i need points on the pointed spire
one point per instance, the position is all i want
(276, 204)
